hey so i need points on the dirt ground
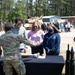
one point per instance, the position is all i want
(67, 38)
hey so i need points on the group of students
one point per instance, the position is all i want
(36, 39)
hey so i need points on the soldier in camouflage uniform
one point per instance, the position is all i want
(12, 58)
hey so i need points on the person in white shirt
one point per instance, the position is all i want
(20, 30)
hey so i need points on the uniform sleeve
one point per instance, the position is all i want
(26, 41)
(1, 42)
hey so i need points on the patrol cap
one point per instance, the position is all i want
(8, 26)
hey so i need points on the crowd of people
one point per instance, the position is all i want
(16, 40)
(37, 33)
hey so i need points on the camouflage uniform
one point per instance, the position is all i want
(12, 58)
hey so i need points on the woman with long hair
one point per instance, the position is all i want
(37, 35)
(51, 42)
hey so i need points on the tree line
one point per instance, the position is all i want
(9, 9)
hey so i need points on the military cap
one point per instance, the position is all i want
(9, 25)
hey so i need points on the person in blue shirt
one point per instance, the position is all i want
(51, 42)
